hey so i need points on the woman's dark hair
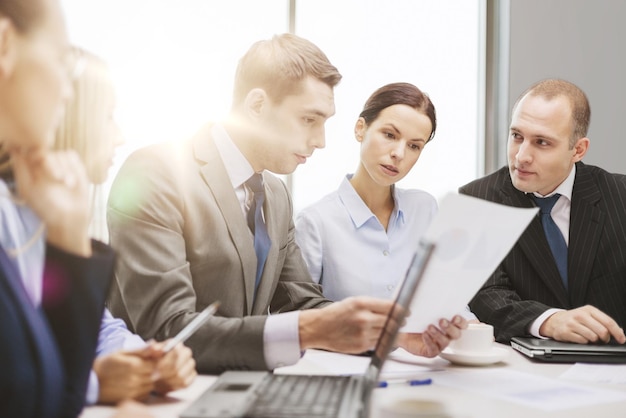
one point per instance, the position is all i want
(399, 93)
(23, 13)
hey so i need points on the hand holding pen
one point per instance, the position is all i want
(192, 327)
(175, 367)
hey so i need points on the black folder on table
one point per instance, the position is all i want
(551, 351)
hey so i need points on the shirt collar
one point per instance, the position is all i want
(397, 206)
(237, 166)
(358, 210)
(566, 187)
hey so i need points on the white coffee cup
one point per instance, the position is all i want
(475, 339)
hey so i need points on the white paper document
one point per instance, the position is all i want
(527, 389)
(330, 363)
(597, 373)
(471, 236)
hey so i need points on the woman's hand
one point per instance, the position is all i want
(434, 340)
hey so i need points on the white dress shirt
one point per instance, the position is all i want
(561, 215)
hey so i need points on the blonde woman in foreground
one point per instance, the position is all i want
(125, 367)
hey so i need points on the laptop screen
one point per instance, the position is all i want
(238, 392)
(399, 312)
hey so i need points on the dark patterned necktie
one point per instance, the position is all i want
(553, 234)
(256, 223)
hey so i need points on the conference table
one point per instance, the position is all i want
(514, 387)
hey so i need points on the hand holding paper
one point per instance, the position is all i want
(471, 236)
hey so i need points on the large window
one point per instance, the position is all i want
(173, 64)
(433, 44)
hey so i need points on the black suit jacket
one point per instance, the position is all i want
(527, 283)
(46, 353)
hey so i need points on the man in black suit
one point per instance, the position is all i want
(581, 295)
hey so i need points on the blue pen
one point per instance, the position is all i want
(411, 382)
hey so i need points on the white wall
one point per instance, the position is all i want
(581, 41)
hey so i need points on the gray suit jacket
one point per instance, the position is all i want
(528, 282)
(183, 243)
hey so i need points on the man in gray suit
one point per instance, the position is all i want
(579, 296)
(177, 218)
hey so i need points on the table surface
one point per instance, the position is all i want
(458, 403)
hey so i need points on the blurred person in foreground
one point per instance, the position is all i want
(125, 367)
(48, 334)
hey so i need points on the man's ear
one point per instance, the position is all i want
(580, 149)
(255, 102)
(7, 47)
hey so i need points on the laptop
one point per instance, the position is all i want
(264, 394)
(550, 351)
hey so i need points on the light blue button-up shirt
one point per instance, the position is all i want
(20, 231)
(347, 249)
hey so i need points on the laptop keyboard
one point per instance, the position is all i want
(299, 396)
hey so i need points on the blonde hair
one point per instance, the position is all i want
(84, 129)
(278, 65)
(84, 120)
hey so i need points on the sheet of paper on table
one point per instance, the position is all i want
(330, 363)
(472, 236)
(527, 389)
(597, 373)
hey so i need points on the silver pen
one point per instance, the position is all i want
(192, 326)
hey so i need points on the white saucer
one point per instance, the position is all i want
(495, 355)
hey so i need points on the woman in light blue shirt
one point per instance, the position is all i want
(360, 239)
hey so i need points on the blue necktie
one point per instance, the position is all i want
(256, 223)
(553, 234)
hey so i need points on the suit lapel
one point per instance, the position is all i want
(586, 223)
(216, 178)
(534, 244)
(14, 281)
(41, 339)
